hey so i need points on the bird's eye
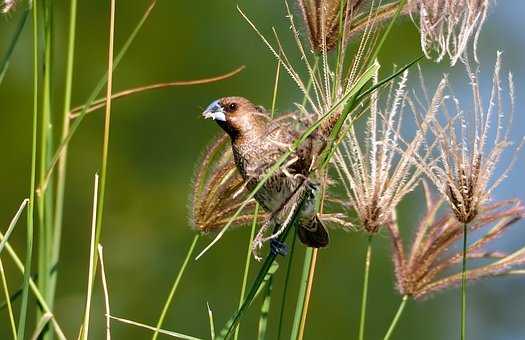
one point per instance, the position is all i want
(231, 107)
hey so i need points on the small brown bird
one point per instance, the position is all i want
(257, 142)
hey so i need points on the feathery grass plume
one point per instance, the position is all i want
(447, 26)
(464, 169)
(419, 272)
(323, 18)
(7, 6)
(218, 190)
(374, 175)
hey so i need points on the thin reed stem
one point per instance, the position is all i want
(46, 136)
(302, 294)
(91, 273)
(8, 301)
(311, 273)
(463, 334)
(396, 318)
(365, 289)
(174, 287)
(107, 123)
(247, 266)
(61, 176)
(285, 289)
(30, 207)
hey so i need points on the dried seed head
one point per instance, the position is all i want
(430, 254)
(447, 26)
(7, 6)
(218, 190)
(323, 18)
(374, 174)
(465, 168)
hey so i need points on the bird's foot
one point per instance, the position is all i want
(278, 248)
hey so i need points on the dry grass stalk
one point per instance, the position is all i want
(465, 168)
(374, 175)
(447, 26)
(424, 269)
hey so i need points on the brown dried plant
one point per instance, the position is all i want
(323, 19)
(218, 190)
(374, 175)
(464, 170)
(425, 269)
(448, 26)
(7, 6)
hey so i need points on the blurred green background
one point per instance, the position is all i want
(156, 141)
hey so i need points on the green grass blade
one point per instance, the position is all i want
(396, 318)
(151, 328)
(265, 309)
(30, 210)
(301, 294)
(285, 289)
(267, 270)
(247, 265)
(212, 324)
(4, 65)
(12, 322)
(61, 176)
(174, 287)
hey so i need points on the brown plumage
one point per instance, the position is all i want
(257, 143)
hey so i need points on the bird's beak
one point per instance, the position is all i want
(215, 112)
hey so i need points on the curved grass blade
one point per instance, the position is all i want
(267, 270)
(101, 102)
(151, 328)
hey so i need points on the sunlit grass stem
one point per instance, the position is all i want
(396, 318)
(364, 296)
(174, 287)
(30, 208)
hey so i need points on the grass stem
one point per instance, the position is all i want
(30, 207)
(247, 266)
(8, 301)
(396, 318)
(302, 294)
(463, 334)
(364, 296)
(61, 175)
(285, 289)
(174, 287)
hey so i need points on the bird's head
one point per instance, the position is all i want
(237, 116)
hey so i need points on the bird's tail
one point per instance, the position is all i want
(313, 233)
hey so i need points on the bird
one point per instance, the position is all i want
(257, 142)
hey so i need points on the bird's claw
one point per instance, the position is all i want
(278, 248)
